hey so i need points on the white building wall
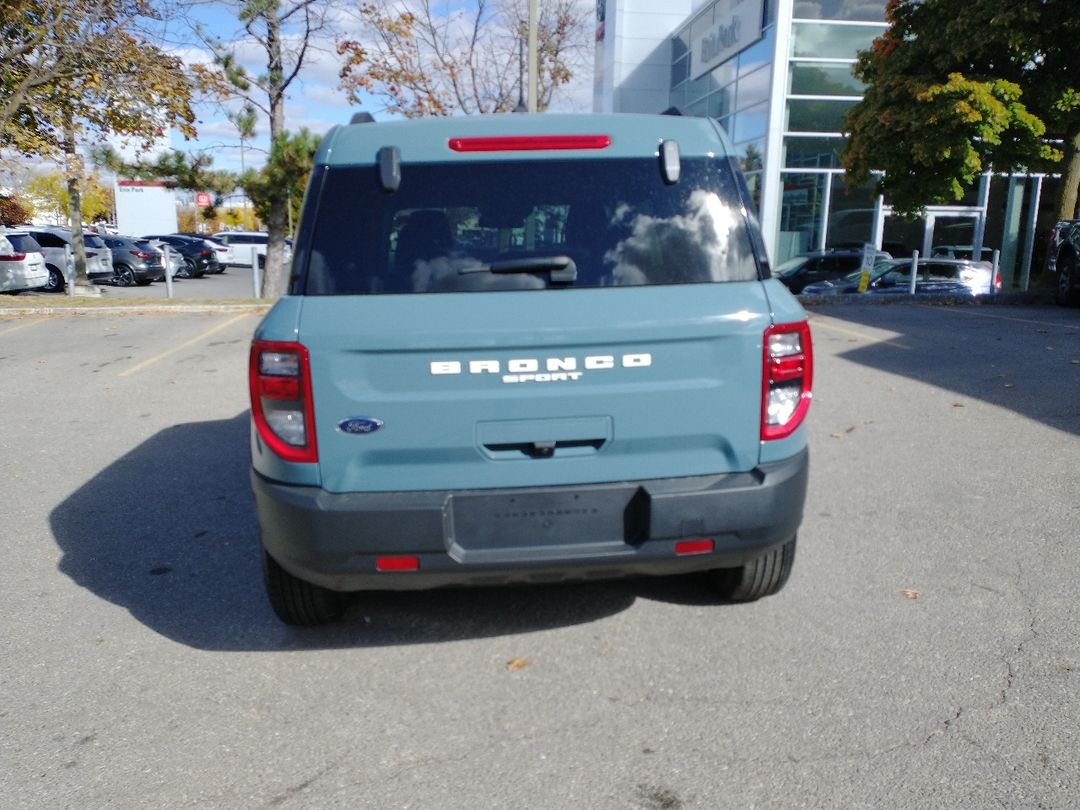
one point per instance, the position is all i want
(633, 65)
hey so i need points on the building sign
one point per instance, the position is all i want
(736, 24)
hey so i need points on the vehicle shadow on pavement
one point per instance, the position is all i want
(1023, 360)
(169, 532)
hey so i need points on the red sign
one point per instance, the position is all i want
(203, 200)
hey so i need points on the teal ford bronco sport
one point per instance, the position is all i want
(527, 348)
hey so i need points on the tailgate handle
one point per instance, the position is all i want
(545, 449)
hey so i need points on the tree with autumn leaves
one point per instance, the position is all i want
(956, 88)
(428, 58)
(78, 71)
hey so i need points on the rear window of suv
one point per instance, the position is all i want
(512, 225)
(23, 243)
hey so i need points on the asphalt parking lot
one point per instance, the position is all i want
(926, 652)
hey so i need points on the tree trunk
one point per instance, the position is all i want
(73, 173)
(276, 275)
(1070, 178)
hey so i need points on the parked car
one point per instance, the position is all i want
(540, 400)
(134, 261)
(221, 250)
(828, 265)
(240, 244)
(173, 261)
(1063, 261)
(199, 258)
(57, 248)
(22, 265)
(961, 252)
(940, 277)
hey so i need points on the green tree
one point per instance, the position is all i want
(284, 31)
(957, 87)
(285, 174)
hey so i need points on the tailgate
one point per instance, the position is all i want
(514, 389)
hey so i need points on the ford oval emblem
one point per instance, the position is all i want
(360, 425)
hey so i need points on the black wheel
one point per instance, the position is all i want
(1064, 293)
(56, 280)
(298, 602)
(123, 276)
(760, 577)
(190, 270)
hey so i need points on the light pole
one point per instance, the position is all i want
(532, 56)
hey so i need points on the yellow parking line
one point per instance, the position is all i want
(817, 323)
(158, 358)
(1006, 318)
(17, 328)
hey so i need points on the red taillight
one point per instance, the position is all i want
(279, 377)
(997, 281)
(685, 547)
(141, 254)
(786, 379)
(13, 257)
(205, 252)
(530, 143)
(397, 563)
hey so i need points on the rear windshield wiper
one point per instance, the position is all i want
(563, 270)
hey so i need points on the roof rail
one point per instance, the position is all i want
(362, 118)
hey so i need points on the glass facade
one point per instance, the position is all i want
(783, 100)
(823, 39)
(735, 93)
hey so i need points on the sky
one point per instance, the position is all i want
(314, 99)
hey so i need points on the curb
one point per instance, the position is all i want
(134, 309)
(1038, 298)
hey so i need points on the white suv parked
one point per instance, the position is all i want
(240, 244)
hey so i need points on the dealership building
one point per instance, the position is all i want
(777, 75)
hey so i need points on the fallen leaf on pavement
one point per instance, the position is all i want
(514, 664)
(907, 593)
(959, 405)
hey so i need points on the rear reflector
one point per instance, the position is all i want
(685, 547)
(397, 563)
(530, 143)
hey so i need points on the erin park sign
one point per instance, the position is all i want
(736, 24)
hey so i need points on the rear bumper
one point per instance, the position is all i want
(543, 534)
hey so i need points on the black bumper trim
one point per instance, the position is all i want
(536, 534)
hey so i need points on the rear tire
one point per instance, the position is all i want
(123, 276)
(298, 602)
(1065, 293)
(56, 281)
(760, 577)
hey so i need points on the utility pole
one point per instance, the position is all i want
(533, 56)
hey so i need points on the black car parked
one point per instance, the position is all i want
(199, 258)
(813, 268)
(134, 262)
